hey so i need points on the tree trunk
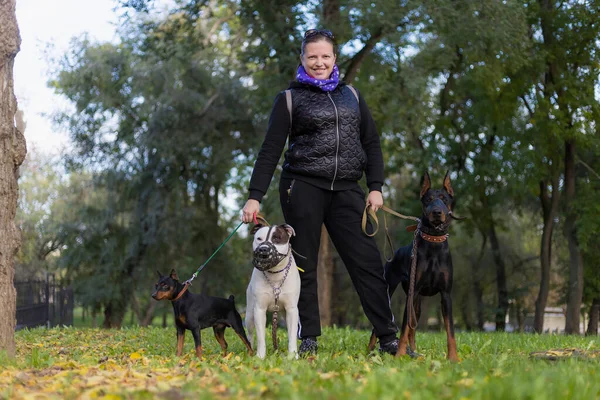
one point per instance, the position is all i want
(113, 315)
(12, 154)
(147, 320)
(549, 211)
(575, 290)
(114, 311)
(477, 289)
(466, 311)
(592, 328)
(520, 314)
(502, 308)
(325, 269)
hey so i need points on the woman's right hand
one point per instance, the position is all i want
(252, 207)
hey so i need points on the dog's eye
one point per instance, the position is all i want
(260, 239)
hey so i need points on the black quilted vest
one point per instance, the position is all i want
(325, 136)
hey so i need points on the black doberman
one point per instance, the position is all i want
(433, 271)
(197, 311)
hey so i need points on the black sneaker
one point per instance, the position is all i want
(308, 346)
(391, 347)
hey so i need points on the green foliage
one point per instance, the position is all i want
(41, 209)
(167, 124)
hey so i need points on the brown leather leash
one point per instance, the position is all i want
(369, 213)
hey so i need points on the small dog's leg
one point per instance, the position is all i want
(219, 331)
(260, 320)
(449, 325)
(250, 318)
(180, 340)
(236, 324)
(291, 316)
(197, 341)
(372, 341)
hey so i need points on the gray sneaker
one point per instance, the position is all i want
(308, 347)
(391, 347)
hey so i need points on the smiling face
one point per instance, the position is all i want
(318, 59)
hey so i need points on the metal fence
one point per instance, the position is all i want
(43, 303)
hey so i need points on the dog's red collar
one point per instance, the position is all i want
(185, 288)
(434, 239)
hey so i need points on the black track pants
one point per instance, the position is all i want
(306, 208)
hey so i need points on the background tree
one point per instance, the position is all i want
(168, 122)
(12, 153)
(43, 206)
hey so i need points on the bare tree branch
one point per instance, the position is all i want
(527, 105)
(359, 57)
(579, 160)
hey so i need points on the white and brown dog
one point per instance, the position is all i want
(275, 285)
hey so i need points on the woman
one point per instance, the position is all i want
(332, 140)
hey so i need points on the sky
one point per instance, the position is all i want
(43, 23)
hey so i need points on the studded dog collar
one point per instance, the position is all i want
(434, 239)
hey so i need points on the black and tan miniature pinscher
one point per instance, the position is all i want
(433, 272)
(197, 311)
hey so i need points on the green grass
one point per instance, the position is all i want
(140, 363)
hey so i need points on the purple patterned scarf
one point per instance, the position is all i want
(326, 85)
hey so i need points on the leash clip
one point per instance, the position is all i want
(189, 281)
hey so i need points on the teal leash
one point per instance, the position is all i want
(189, 281)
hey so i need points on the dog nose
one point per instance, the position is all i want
(437, 213)
(262, 250)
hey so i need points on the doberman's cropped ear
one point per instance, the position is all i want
(289, 229)
(256, 228)
(425, 184)
(173, 275)
(159, 274)
(447, 184)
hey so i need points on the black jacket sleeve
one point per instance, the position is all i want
(370, 142)
(271, 149)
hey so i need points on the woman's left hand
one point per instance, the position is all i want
(375, 200)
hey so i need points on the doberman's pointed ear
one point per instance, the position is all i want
(425, 184)
(289, 229)
(159, 274)
(256, 228)
(173, 275)
(447, 184)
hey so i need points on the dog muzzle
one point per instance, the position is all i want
(266, 256)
